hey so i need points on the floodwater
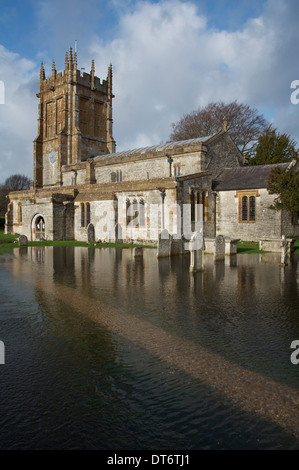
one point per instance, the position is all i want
(107, 351)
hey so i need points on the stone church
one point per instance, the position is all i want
(84, 190)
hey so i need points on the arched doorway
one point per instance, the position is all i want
(40, 232)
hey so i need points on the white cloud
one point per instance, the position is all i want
(18, 114)
(167, 60)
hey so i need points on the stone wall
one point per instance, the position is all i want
(51, 171)
(109, 217)
(30, 211)
(135, 170)
(266, 226)
(222, 153)
(290, 228)
(63, 214)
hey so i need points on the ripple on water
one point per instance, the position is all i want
(71, 382)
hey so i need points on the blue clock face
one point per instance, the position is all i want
(53, 157)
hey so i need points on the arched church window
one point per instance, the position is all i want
(20, 212)
(141, 213)
(85, 214)
(128, 212)
(118, 175)
(82, 214)
(135, 213)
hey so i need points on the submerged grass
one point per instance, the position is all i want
(253, 247)
(8, 242)
(248, 247)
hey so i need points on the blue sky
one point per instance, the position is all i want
(168, 57)
(26, 30)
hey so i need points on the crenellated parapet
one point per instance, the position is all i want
(71, 74)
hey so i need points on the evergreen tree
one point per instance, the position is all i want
(285, 184)
(273, 147)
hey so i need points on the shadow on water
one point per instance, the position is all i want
(109, 351)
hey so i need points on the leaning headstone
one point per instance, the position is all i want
(164, 244)
(90, 234)
(196, 247)
(23, 240)
(219, 250)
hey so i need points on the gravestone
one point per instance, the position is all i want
(23, 240)
(164, 244)
(284, 250)
(219, 249)
(90, 234)
(118, 232)
(176, 246)
(231, 246)
(196, 247)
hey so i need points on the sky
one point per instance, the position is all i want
(169, 57)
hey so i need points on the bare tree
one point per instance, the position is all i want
(15, 182)
(244, 124)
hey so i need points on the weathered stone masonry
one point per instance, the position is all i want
(83, 186)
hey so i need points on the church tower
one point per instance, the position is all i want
(74, 120)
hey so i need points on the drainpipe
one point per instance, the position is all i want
(163, 195)
(215, 218)
(170, 161)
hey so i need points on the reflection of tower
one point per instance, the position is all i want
(74, 120)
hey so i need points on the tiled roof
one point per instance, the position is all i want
(246, 177)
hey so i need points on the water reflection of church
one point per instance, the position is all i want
(83, 187)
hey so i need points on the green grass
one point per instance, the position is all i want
(253, 247)
(7, 243)
(248, 247)
(6, 238)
